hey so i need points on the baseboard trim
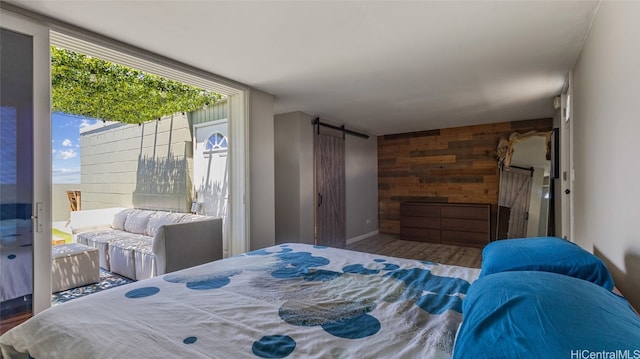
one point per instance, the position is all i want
(361, 237)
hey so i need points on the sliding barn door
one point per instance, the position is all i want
(330, 221)
(515, 194)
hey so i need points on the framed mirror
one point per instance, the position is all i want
(525, 193)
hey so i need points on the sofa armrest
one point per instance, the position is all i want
(92, 219)
(183, 245)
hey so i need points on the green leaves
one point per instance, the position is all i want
(87, 86)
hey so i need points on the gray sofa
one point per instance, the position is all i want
(140, 244)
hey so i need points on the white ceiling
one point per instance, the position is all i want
(377, 66)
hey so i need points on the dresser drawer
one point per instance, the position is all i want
(446, 223)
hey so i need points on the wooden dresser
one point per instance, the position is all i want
(446, 223)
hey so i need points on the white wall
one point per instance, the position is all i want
(606, 144)
(261, 170)
(294, 178)
(142, 166)
(295, 193)
(361, 172)
(60, 206)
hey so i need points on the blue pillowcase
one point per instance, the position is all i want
(547, 254)
(544, 315)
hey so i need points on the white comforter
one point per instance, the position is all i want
(16, 258)
(292, 300)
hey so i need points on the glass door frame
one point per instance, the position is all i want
(41, 206)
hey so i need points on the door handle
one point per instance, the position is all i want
(319, 200)
(37, 217)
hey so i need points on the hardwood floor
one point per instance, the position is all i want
(390, 245)
(8, 323)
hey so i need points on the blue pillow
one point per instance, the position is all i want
(546, 254)
(544, 315)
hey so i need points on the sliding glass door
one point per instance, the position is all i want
(25, 169)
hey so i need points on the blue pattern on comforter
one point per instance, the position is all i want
(291, 300)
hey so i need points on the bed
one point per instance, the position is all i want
(291, 300)
(532, 298)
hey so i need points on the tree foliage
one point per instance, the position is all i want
(87, 86)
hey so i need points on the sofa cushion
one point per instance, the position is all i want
(161, 218)
(193, 218)
(132, 257)
(122, 261)
(101, 240)
(136, 242)
(137, 221)
(119, 219)
(105, 236)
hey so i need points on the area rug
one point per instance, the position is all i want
(107, 280)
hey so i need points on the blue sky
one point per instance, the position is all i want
(65, 144)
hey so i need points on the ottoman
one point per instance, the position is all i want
(73, 265)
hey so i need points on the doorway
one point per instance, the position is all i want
(24, 170)
(211, 175)
(38, 156)
(566, 163)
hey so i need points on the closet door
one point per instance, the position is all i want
(330, 219)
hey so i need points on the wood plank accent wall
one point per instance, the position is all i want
(452, 165)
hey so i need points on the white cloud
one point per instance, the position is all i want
(85, 122)
(66, 154)
(67, 142)
(66, 171)
(66, 175)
